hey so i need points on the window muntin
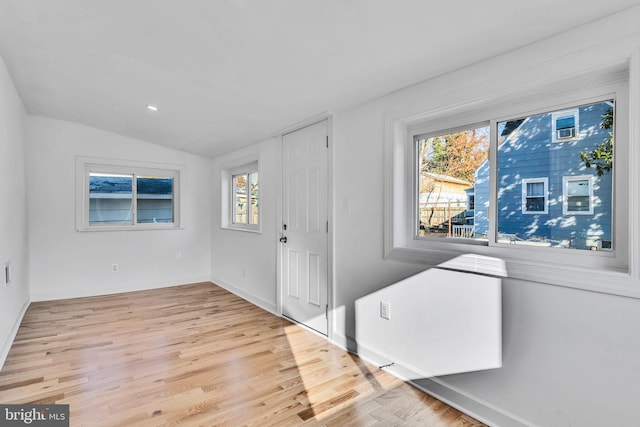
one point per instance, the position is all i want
(578, 195)
(554, 211)
(246, 202)
(534, 196)
(447, 163)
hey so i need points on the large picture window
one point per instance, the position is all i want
(574, 230)
(117, 196)
(540, 199)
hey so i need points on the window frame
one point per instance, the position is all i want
(85, 166)
(554, 123)
(240, 166)
(416, 136)
(603, 271)
(565, 194)
(247, 174)
(525, 196)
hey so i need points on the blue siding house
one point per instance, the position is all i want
(547, 196)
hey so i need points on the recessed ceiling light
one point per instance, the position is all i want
(152, 108)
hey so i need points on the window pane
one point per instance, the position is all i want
(240, 199)
(535, 189)
(578, 204)
(110, 199)
(565, 122)
(578, 188)
(154, 199)
(255, 211)
(535, 204)
(527, 151)
(448, 167)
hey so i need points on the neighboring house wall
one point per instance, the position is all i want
(481, 191)
(530, 153)
(441, 198)
(13, 212)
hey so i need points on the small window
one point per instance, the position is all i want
(240, 195)
(471, 202)
(565, 125)
(124, 196)
(578, 194)
(246, 209)
(534, 196)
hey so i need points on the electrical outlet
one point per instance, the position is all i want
(179, 255)
(115, 268)
(244, 270)
(385, 310)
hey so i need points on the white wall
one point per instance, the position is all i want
(66, 263)
(241, 261)
(13, 212)
(571, 357)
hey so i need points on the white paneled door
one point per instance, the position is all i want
(304, 240)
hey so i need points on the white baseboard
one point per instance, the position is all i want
(263, 304)
(345, 343)
(56, 294)
(465, 402)
(8, 342)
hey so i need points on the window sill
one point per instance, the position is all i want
(519, 266)
(144, 227)
(236, 228)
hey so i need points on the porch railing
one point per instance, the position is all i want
(467, 231)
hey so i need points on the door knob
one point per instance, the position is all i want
(283, 239)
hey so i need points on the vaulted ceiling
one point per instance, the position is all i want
(228, 73)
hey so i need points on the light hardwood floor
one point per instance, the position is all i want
(199, 355)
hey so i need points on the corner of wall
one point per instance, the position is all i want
(8, 340)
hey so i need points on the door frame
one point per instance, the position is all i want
(330, 217)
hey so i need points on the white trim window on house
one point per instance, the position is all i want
(578, 195)
(535, 193)
(565, 125)
(115, 195)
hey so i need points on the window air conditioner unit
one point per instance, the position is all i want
(566, 133)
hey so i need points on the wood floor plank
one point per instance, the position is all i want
(199, 355)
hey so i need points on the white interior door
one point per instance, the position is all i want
(304, 242)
